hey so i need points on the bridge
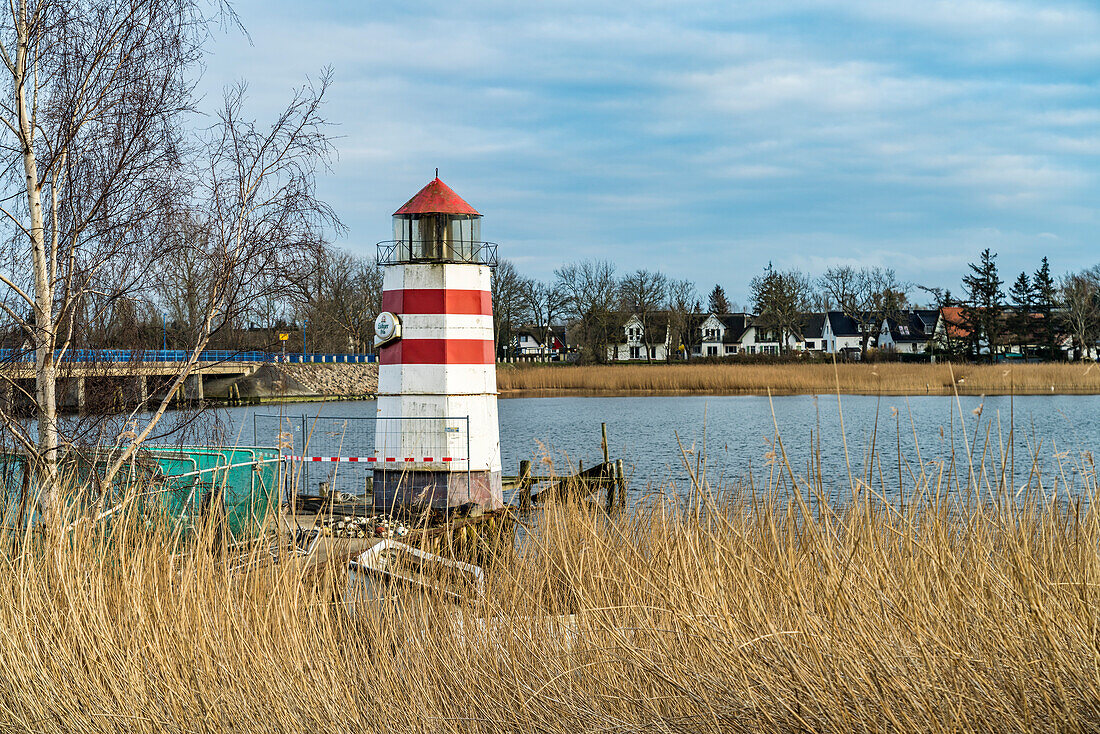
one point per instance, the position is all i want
(125, 373)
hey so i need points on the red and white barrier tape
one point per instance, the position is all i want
(371, 459)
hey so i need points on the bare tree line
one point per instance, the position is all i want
(593, 300)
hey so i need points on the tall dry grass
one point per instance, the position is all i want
(733, 609)
(880, 379)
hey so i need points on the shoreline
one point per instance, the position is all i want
(883, 378)
(753, 392)
(272, 400)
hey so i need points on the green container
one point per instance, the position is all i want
(241, 483)
(184, 484)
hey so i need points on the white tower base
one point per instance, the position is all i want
(437, 438)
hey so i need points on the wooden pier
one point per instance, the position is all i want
(472, 538)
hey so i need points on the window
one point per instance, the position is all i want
(712, 351)
(752, 349)
(635, 352)
(903, 330)
(731, 349)
(810, 344)
(653, 352)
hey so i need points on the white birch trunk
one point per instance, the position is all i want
(45, 368)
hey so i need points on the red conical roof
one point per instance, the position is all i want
(437, 198)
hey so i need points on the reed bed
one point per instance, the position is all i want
(889, 378)
(749, 608)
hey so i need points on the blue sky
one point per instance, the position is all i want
(706, 138)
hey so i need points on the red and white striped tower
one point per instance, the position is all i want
(437, 439)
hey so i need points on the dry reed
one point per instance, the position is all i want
(740, 609)
(881, 379)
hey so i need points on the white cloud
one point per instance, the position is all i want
(872, 131)
(831, 88)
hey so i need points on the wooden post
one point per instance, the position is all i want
(525, 483)
(603, 443)
(609, 480)
(607, 471)
(620, 479)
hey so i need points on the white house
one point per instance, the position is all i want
(841, 335)
(910, 333)
(813, 333)
(531, 342)
(759, 340)
(636, 345)
(720, 334)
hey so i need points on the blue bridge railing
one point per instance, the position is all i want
(181, 355)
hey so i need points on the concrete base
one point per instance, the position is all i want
(72, 393)
(437, 489)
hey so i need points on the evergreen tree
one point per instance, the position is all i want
(718, 301)
(1044, 301)
(780, 298)
(985, 303)
(1020, 321)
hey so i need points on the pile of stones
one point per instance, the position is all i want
(365, 526)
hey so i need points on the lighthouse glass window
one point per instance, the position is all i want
(451, 237)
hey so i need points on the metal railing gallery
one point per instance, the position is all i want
(392, 252)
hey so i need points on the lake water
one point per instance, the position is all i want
(738, 434)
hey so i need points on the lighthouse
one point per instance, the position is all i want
(437, 439)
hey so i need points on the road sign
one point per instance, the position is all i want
(283, 336)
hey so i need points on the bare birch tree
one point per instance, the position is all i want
(92, 101)
(99, 168)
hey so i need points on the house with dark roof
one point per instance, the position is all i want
(638, 341)
(843, 335)
(729, 334)
(813, 333)
(720, 334)
(911, 332)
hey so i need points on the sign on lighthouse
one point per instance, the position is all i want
(437, 438)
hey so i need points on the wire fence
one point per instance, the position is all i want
(334, 454)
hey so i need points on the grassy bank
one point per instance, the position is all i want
(730, 611)
(882, 379)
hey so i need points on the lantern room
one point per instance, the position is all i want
(437, 225)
